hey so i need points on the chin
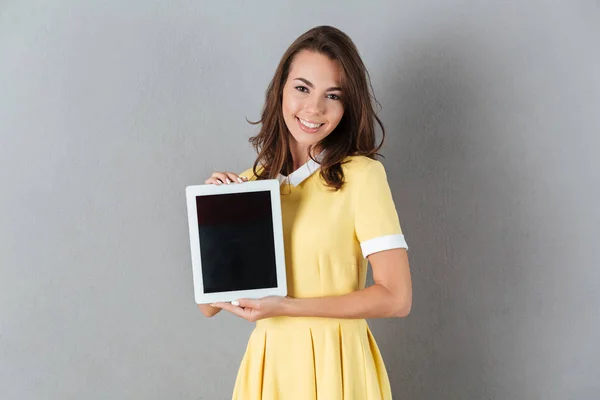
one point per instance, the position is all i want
(307, 141)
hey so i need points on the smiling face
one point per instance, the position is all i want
(311, 105)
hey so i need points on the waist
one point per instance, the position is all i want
(310, 322)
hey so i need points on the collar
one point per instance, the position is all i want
(300, 175)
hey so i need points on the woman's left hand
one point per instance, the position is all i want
(253, 310)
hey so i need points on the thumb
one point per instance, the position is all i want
(248, 303)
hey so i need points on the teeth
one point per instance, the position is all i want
(308, 124)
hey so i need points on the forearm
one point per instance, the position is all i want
(376, 301)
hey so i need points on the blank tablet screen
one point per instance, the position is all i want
(237, 248)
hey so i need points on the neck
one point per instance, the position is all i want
(300, 154)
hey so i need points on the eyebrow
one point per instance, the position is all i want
(313, 86)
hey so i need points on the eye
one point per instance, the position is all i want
(303, 89)
(333, 97)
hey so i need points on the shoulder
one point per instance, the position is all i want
(358, 168)
(363, 174)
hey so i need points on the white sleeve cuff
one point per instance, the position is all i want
(383, 243)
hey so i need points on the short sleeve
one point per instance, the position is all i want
(377, 225)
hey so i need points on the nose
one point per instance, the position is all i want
(315, 105)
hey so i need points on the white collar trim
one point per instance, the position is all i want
(300, 175)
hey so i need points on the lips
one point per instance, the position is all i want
(311, 128)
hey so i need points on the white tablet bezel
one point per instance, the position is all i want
(271, 185)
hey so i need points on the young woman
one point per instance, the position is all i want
(317, 137)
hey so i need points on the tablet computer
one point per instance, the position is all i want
(236, 240)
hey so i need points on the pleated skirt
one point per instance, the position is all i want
(291, 358)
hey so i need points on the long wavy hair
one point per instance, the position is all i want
(355, 133)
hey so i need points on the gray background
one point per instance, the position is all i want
(108, 109)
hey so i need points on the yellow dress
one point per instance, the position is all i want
(327, 236)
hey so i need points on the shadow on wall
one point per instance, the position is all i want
(442, 168)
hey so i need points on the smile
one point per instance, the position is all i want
(309, 124)
(308, 127)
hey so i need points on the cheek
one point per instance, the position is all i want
(336, 113)
(289, 103)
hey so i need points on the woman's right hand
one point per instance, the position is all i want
(219, 178)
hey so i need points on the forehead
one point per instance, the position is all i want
(317, 68)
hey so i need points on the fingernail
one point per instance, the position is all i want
(218, 182)
(212, 304)
(228, 181)
(235, 303)
(240, 180)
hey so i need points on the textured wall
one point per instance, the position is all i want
(109, 109)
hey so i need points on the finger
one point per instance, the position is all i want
(225, 177)
(223, 305)
(239, 311)
(250, 303)
(213, 181)
(234, 177)
(226, 305)
(222, 176)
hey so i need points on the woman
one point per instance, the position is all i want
(315, 343)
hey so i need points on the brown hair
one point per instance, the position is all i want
(354, 135)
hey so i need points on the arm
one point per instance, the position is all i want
(390, 296)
